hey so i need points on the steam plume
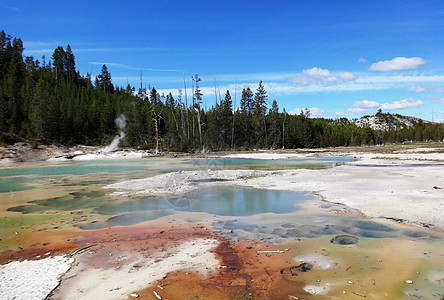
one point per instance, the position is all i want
(121, 124)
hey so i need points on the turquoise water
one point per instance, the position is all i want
(272, 164)
(29, 175)
(220, 201)
(78, 185)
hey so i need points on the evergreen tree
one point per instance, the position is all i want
(71, 66)
(59, 62)
(52, 102)
(225, 119)
(259, 112)
(5, 54)
(246, 104)
(103, 80)
(154, 96)
(274, 123)
(14, 86)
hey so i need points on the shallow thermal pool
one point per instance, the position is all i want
(55, 195)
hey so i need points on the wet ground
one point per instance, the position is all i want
(272, 244)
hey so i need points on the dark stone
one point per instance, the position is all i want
(344, 239)
(293, 271)
(303, 267)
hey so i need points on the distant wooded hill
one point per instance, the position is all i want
(50, 102)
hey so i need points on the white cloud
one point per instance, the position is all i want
(398, 63)
(366, 104)
(362, 107)
(301, 80)
(314, 111)
(438, 100)
(395, 80)
(346, 76)
(122, 66)
(355, 111)
(417, 89)
(362, 60)
(406, 103)
(320, 75)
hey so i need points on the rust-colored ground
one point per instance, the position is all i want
(244, 273)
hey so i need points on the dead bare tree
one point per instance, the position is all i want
(186, 109)
(156, 128)
(181, 114)
(198, 98)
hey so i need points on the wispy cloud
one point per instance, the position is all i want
(314, 111)
(127, 67)
(280, 84)
(437, 100)
(366, 104)
(48, 48)
(346, 76)
(318, 76)
(397, 64)
(417, 89)
(29, 52)
(397, 79)
(118, 49)
(13, 8)
(406, 103)
(354, 111)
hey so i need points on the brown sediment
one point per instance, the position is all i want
(243, 274)
(248, 269)
(30, 245)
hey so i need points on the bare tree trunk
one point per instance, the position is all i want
(186, 109)
(181, 115)
(156, 128)
(215, 91)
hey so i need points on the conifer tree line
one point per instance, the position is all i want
(51, 102)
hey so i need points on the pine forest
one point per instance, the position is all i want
(50, 102)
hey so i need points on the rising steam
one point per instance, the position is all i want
(121, 124)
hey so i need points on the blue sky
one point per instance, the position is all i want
(337, 58)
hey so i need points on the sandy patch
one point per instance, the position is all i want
(136, 271)
(32, 279)
(179, 182)
(406, 193)
(317, 289)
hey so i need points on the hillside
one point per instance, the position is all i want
(387, 121)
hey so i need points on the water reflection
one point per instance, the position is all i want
(302, 225)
